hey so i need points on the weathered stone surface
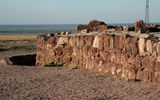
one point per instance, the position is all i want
(81, 28)
(157, 66)
(84, 31)
(119, 28)
(96, 42)
(140, 27)
(128, 28)
(102, 28)
(149, 47)
(152, 28)
(6, 61)
(141, 46)
(129, 57)
(139, 75)
(125, 73)
(134, 46)
(113, 69)
(62, 41)
(95, 26)
(131, 74)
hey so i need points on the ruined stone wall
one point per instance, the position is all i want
(132, 58)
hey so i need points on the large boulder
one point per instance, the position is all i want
(81, 28)
(95, 26)
(140, 26)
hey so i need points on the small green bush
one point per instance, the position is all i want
(76, 67)
(53, 64)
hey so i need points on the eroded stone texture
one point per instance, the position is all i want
(140, 27)
(129, 57)
(95, 26)
(81, 28)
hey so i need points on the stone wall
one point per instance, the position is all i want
(132, 58)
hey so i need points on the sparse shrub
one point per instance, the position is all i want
(53, 64)
(76, 67)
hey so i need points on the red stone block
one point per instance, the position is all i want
(157, 77)
(72, 41)
(158, 48)
(119, 28)
(85, 51)
(134, 46)
(124, 58)
(52, 41)
(91, 65)
(157, 66)
(116, 42)
(113, 69)
(150, 77)
(82, 40)
(140, 27)
(106, 43)
(139, 74)
(131, 74)
(145, 76)
(119, 70)
(113, 56)
(111, 42)
(137, 61)
(118, 57)
(125, 73)
(93, 26)
(89, 40)
(101, 43)
(128, 46)
(58, 51)
(148, 63)
(102, 28)
(122, 41)
(145, 61)
(131, 60)
(67, 50)
(107, 66)
(105, 55)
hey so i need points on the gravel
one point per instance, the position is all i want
(64, 83)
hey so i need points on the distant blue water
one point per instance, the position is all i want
(35, 29)
(39, 29)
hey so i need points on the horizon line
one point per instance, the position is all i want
(76, 24)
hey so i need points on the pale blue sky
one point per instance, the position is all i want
(75, 11)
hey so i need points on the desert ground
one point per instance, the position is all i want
(12, 45)
(62, 83)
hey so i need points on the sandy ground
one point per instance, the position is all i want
(35, 83)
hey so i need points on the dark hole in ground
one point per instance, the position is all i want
(28, 60)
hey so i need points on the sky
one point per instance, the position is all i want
(75, 11)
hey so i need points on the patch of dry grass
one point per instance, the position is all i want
(18, 37)
(17, 44)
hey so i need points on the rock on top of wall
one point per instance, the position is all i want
(95, 26)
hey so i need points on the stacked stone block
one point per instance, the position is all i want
(132, 58)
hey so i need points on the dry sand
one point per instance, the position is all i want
(35, 83)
